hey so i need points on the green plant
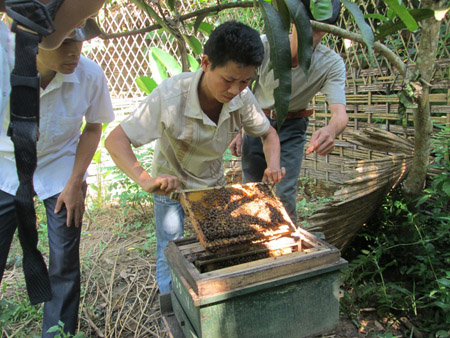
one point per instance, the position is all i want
(59, 332)
(101, 173)
(148, 249)
(162, 64)
(307, 206)
(127, 192)
(399, 262)
(17, 310)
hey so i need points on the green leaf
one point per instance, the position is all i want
(97, 156)
(198, 22)
(400, 10)
(365, 29)
(392, 26)
(205, 28)
(321, 9)
(376, 16)
(171, 4)
(442, 305)
(194, 43)
(169, 62)
(423, 199)
(304, 31)
(54, 328)
(406, 99)
(280, 55)
(159, 72)
(442, 334)
(146, 84)
(446, 187)
(194, 65)
(280, 6)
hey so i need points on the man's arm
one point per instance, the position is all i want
(119, 147)
(72, 14)
(73, 193)
(323, 140)
(236, 145)
(271, 148)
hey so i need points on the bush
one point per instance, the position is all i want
(400, 262)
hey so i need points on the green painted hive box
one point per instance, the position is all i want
(244, 292)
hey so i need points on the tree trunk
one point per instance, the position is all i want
(423, 125)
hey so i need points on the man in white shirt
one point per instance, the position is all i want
(73, 89)
(194, 117)
(326, 75)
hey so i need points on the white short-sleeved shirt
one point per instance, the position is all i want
(64, 103)
(326, 75)
(190, 145)
(6, 66)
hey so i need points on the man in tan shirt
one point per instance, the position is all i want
(194, 117)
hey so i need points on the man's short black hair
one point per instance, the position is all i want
(234, 41)
(336, 4)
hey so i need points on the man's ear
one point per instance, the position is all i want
(205, 63)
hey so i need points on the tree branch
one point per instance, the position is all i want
(393, 58)
(200, 12)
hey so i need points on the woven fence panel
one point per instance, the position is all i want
(371, 102)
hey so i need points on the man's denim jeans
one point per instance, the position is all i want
(169, 220)
(292, 138)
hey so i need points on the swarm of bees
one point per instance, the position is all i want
(238, 214)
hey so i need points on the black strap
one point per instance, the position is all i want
(23, 130)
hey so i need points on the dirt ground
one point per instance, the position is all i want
(119, 292)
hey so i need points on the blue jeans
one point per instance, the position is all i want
(64, 264)
(292, 139)
(169, 220)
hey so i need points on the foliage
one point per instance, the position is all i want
(277, 19)
(58, 330)
(17, 310)
(280, 54)
(309, 200)
(101, 174)
(400, 261)
(392, 25)
(162, 64)
(127, 192)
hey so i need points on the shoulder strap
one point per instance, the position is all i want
(23, 130)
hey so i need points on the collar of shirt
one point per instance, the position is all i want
(58, 81)
(194, 110)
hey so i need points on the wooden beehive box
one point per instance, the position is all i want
(250, 272)
(293, 294)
